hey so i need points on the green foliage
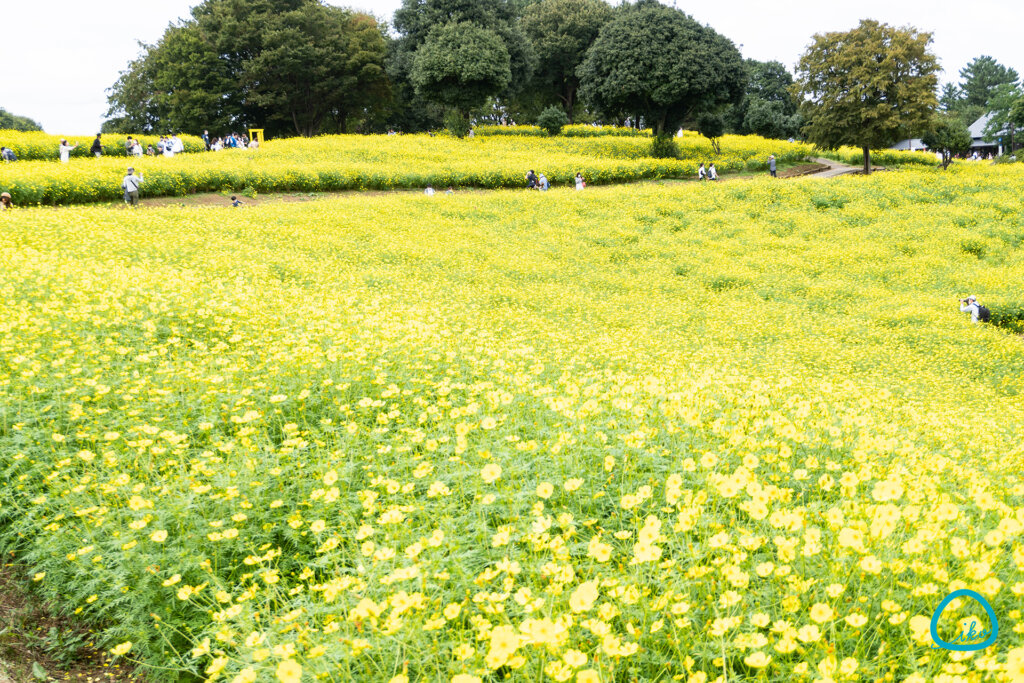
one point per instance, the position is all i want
(866, 87)
(711, 126)
(415, 20)
(659, 63)
(457, 124)
(1004, 106)
(552, 120)
(10, 121)
(980, 78)
(569, 131)
(284, 65)
(461, 65)
(949, 135)
(664, 147)
(561, 32)
(768, 108)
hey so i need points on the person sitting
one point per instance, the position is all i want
(543, 183)
(429, 191)
(5, 201)
(235, 201)
(531, 179)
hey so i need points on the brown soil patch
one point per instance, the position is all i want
(37, 645)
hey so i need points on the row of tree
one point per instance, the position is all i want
(303, 67)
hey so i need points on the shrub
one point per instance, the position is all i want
(552, 120)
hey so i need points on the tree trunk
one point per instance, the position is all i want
(867, 161)
(570, 101)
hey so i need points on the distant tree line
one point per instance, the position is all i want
(300, 67)
(303, 67)
(9, 121)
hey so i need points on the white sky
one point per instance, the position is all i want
(59, 56)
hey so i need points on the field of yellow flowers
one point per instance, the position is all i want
(39, 146)
(357, 162)
(734, 432)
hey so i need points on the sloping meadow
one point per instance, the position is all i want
(631, 433)
(357, 162)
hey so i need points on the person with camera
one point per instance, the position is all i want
(978, 312)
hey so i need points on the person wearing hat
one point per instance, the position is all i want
(977, 311)
(65, 150)
(5, 201)
(130, 185)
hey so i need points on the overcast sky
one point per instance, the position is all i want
(59, 56)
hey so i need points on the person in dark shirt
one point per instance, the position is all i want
(531, 179)
(235, 201)
(97, 147)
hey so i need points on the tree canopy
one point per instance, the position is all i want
(561, 32)
(284, 65)
(948, 135)
(980, 77)
(658, 63)
(9, 121)
(768, 108)
(867, 87)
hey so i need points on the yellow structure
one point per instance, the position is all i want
(256, 134)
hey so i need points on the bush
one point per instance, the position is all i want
(457, 124)
(664, 147)
(552, 120)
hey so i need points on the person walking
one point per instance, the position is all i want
(97, 147)
(65, 151)
(771, 165)
(712, 173)
(978, 312)
(702, 173)
(130, 185)
(579, 182)
(5, 201)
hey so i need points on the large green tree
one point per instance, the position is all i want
(979, 79)
(658, 63)
(562, 31)
(289, 66)
(867, 87)
(461, 65)
(9, 121)
(1003, 105)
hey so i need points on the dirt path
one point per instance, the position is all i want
(835, 168)
(220, 199)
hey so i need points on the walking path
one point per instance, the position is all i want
(834, 168)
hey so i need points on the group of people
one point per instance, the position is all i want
(708, 173)
(535, 182)
(233, 141)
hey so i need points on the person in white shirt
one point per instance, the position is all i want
(130, 185)
(579, 182)
(136, 149)
(65, 151)
(702, 173)
(254, 144)
(712, 173)
(429, 191)
(971, 305)
(177, 145)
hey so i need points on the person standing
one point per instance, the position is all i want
(97, 147)
(579, 182)
(130, 185)
(206, 139)
(771, 165)
(128, 144)
(136, 149)
(712, 173)
(702, 173)
(65, 151)
(177, 145)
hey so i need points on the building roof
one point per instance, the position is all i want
(977, 129)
